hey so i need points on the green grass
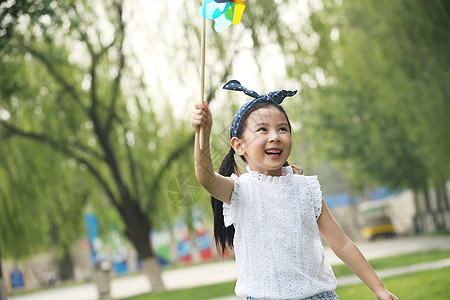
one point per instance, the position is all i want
(397, 261)
(195, 293)
(439, 233)
(418, 286)
(413, 286)
(432, 284)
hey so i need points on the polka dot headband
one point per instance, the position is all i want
(276, 97)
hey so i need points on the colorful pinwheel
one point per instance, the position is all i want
(223, 12)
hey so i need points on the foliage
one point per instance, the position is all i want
(379, 108)
(61, 91)
(41, 191)
(12, 11)
(39, 213)
(67, 89)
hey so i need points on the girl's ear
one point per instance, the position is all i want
(237, 146)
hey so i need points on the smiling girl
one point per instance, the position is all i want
(271, 217)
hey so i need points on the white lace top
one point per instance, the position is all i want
(277, 244)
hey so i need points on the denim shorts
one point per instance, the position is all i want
(322, 296)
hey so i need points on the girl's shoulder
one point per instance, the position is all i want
(311, 180)
(239, 177)
(306, 177)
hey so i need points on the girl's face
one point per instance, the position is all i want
(266, 141)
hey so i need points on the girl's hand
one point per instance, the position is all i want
(201, 117)
(386, 295)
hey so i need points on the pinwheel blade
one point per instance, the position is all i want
(239, 7)
(221, 23)
(211, 9)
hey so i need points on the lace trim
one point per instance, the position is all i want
(286, 176)
(316, 192)
(229, 209)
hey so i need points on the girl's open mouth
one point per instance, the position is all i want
(274, 153)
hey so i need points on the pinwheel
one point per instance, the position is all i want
(224, 13)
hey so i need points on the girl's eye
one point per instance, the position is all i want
(262, 129)
(283, 129)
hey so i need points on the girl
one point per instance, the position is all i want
(271, 217)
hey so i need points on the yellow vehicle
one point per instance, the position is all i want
(375, 220)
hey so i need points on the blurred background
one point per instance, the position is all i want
(96, 148)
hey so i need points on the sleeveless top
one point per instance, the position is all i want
(277, 245)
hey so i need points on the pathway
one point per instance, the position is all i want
(226, 271)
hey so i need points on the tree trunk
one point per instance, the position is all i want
(138, 232)
(424, 220)
(195, 252)
(426, 198)
(151, 268)
(173, 248)
(3, 292)
(65, 264)
(441, 193)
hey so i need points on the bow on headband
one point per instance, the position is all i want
(276, 97)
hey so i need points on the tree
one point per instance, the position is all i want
(62, 92)
(92, 124)
(382, 109)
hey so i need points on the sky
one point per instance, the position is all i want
(158, 37)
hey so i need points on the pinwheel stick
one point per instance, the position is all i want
(202, 81)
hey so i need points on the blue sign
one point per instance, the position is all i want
(17, 281)
(98, 252)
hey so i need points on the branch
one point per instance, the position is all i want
(95, 58)
(55, 74)
(89, 151)
(13, 131)
(110, 159)
(83, 35)
(132, 166)
(65, 150)
(93, 107)
(103, 132)
(6, 136)
(188, 143)
(116, 85)
(169, 161)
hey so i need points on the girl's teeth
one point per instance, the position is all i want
(273, 152)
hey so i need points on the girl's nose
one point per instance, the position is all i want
(274, 137)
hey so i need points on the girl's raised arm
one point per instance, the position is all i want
(220, 187)
(349, 253)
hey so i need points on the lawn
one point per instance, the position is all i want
(397, 261)
(424, 285)
(418, 286)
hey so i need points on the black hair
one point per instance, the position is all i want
(223, 236)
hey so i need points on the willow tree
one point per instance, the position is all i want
(68, 96)
(67, 88)
(42, 198)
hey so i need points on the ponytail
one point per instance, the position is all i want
(223, 236)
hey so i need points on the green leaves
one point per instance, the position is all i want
(385, 110)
